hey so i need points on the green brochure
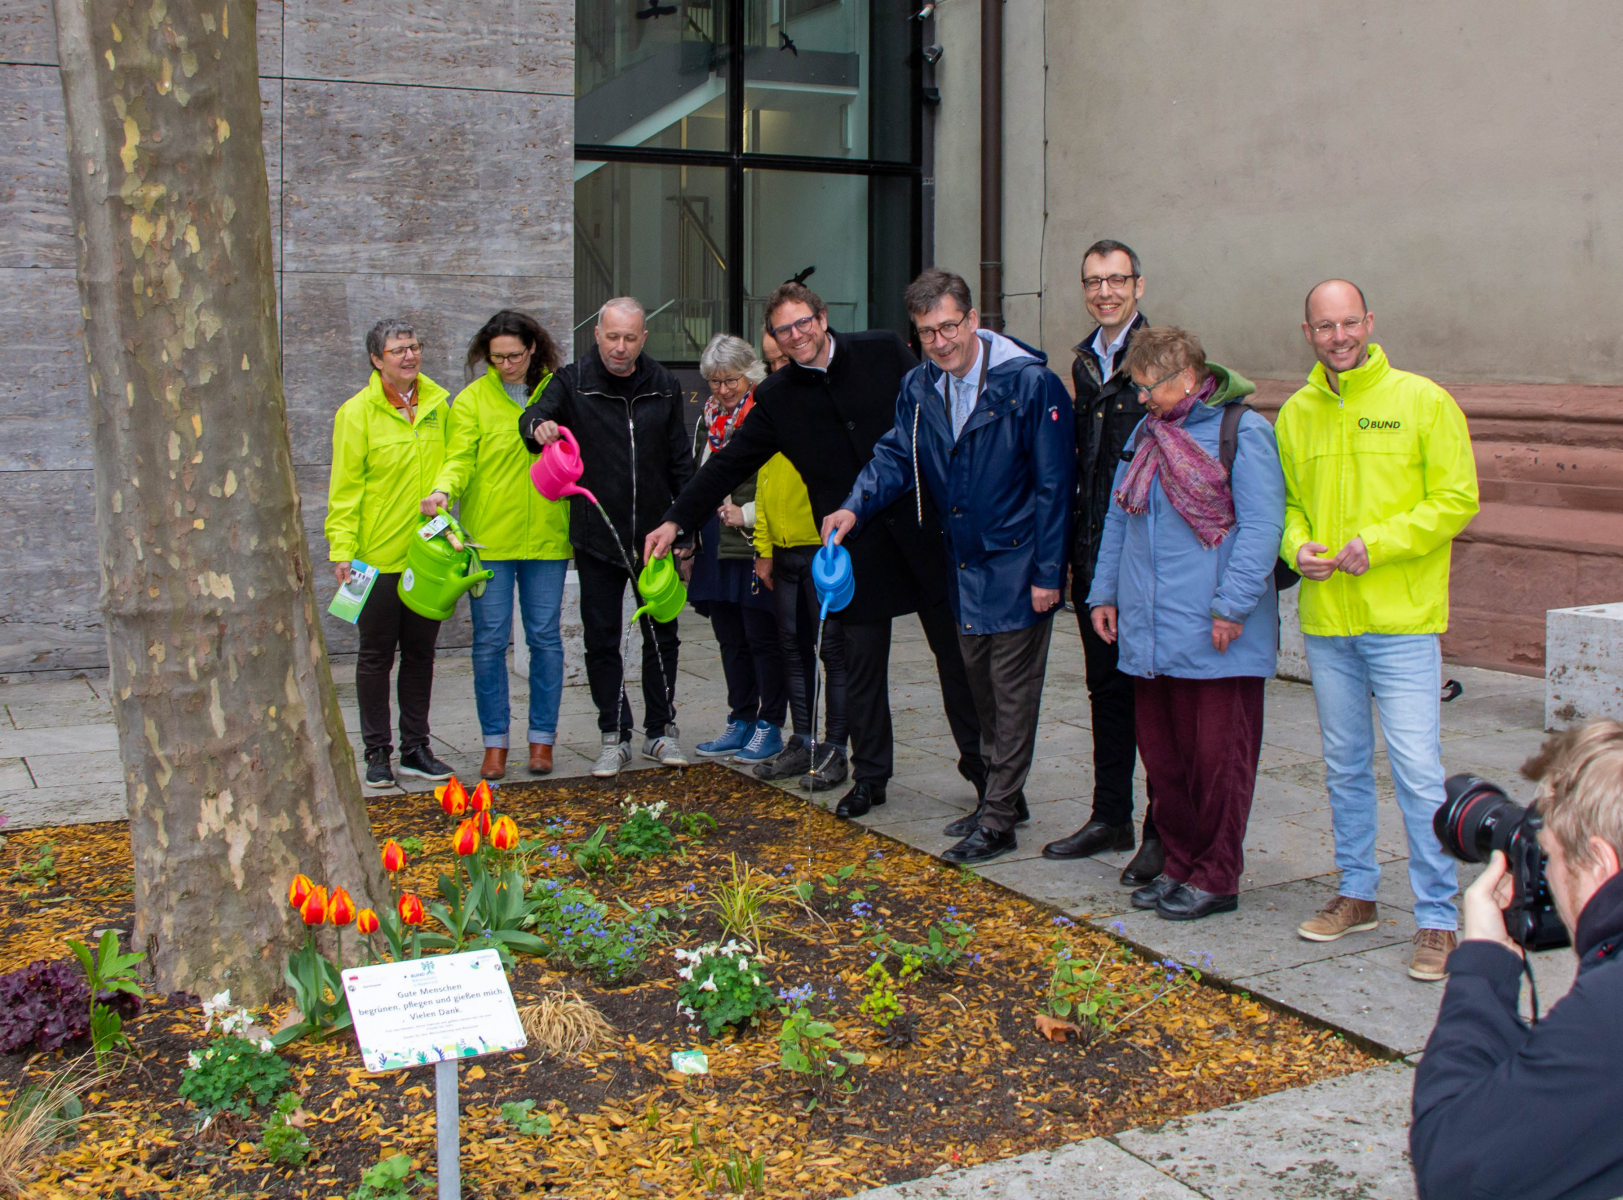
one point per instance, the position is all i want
(351, 597)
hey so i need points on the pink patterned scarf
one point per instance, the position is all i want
(1193, 480)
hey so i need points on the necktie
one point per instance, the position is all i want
(963, 402)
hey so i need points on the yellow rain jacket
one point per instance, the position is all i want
(487, 468)
(1388, 460)
(382, 467)
(783, 512)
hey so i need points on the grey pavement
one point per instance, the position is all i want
(59, 764)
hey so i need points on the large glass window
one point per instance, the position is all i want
(724, 146)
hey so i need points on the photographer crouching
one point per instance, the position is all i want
(1503, 1108)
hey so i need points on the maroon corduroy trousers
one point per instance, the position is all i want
(1200, 740)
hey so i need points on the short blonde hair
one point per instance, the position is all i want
(1160, 350)
(1580, 793)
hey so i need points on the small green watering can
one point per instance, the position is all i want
(441, 564)
(662, 591)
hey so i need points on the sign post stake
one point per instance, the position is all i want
(447, 1135)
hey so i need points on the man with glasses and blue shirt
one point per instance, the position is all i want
(825, 411)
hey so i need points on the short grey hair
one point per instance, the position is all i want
(378, 336)
(626, 304)
(733, 355)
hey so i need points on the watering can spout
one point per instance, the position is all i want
(469, 582)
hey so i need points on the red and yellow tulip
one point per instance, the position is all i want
(394, 858)
(411, 910)
(453, 797)
(366, 921)
(465, 840)
(481, 799)
(314, 909)
(340, 909)
(299, 890)
(504, 833)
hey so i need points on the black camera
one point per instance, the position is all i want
(1476, 819)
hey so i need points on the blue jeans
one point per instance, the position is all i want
(540, 595)
(1404, 673)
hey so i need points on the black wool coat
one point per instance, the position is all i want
(826, 424)
(1106, 415)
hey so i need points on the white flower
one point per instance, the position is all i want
(267, 1045)
(709, 985)
(685, 973)
(194, 1060)
(220, 1002)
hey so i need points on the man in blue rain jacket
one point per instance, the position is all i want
(988, 428)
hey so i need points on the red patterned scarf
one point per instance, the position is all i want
(1194, 481)
(721, 424)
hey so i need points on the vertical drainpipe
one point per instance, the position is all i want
(991, 307)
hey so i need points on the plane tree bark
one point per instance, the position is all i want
(236, 764)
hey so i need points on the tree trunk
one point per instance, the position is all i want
(236, 764)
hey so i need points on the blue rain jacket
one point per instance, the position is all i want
(1002, 490)
(1167, 587)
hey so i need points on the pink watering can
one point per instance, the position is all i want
(555, 472)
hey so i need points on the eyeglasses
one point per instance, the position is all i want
(1144, 389)
(800, 327)
(724, 383)
(501, 360)
(1325, 328)
(1092, 283)
(403, 351)
(946, 331)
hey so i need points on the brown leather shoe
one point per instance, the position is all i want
(1343, 915)
(540, 759)
(495, 764)
(1431, 950)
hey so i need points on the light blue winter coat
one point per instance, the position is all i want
(1167, 587)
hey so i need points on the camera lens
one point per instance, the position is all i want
(1474, 811)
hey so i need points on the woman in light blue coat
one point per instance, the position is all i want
(1186, 580)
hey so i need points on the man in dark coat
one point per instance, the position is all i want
(824, 412)
(625, 410)
(985, 430)
(1107, 412)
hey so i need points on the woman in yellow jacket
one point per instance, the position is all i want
(525, 536)
(388, 443)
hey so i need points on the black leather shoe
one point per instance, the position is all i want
(1186, 902)
(982, 846)
(1149, 862)
(861, 798)
(1091, 839)
(420, 761)
(1150, 894)
(964, 826)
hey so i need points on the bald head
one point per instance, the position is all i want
(1338, 293)
(1337, 324)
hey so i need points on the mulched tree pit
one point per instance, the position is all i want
(978, 1084)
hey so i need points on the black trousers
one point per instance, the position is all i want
(384, 624)
(867, 696)
(752, 662)
(1006, 676)
(1115, 740)
(602, 592)
(794, 596)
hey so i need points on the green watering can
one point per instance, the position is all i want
(662, 591)
(441, 564)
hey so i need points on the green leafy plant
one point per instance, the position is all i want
(282, 1143)
(721, 986)
(644, 833)
(39, 870)
(107, 972)
(573, 926)
(883, 1004)
(517, 1114)
(741, 904)
(231, 1075)
(1080, 991)
(592, 856)
(389, 1179)
(485, 906)
(738, 1176)
(318, 991)
(808, 1047)
(413, 846)
(695, 825)
(944, 946)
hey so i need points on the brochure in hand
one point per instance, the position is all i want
(351, 597)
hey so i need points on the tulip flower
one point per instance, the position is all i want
(366, 921)
(299, 890)
(394, 858)
(453, 798)
(340, 909)
(504, 833)
(482, 823)
(481, 799)
(314, 909)
(411, 910)
(465, 840)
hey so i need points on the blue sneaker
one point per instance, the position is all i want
(766, 743)
(729, 743)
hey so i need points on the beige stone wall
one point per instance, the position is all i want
(420, 160)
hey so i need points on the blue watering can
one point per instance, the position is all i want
(833, 578)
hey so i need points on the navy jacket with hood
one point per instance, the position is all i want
(1002, 489)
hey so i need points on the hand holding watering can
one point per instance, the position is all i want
(839, 522)
(556, 471)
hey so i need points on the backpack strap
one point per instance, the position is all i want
(1228, 435)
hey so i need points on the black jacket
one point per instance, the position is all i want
(634, 452)
(1106, 415)
(826, 424)
(1504, 1110)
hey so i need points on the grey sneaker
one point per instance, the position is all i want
(665, 749)
(794, 759)
(829, 772)
(614, 756)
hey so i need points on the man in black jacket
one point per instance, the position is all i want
(1503, 1109)
(625, 410)
(1107, 412)
(824, 412)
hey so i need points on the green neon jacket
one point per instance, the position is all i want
(382, 467)
(783, 512)
(1388, 460)
(487, 468)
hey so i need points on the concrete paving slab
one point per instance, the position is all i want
(59, 770)
(1342, 1138)
(1096, 1169)
(47, 691)
(1081, 887)
(85, 709)
(1368, 993)
(14, 775)
(86, 803)
(68, 739)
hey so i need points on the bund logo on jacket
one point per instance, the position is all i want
(1379, 426)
